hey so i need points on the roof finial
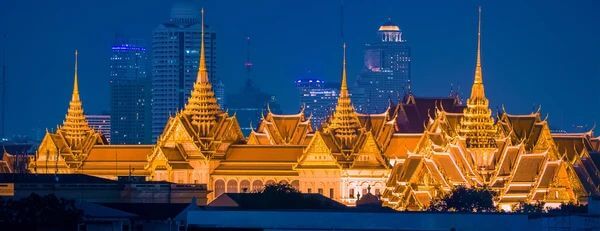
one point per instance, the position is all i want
(202, 71)
(344, 121)
(478, 74)
(75, 96)
(344, 88)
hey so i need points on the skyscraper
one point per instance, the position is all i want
(250, 101)
(175, 52)
(129, 93)
(386, 72)
(318, 98)
(101, 124)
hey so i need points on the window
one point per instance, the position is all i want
(330, 193)
(320, 191)
(309, 190)
(351, 193)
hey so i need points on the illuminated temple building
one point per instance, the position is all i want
(76, 148)
(516, 156)
(411, 153)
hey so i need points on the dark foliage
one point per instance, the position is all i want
(463, 199)
(39, 211)
(569, 208)
(285, 196)
(523, 207)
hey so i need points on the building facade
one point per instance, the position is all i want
(318, 98)
(101, 124)
(175, 61)
(249, 103)
(130, 93)
(386, 71)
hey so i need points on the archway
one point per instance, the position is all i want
(219, 187)
(245, 186)
(232, 186)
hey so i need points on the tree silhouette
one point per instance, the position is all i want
(39, 211)
(537, 207)
(569, 208)
(463, 199)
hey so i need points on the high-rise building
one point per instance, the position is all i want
(100, 124)
(250, 101)
(318, 98)
(175, 52)
(129, 93)
(386, 73)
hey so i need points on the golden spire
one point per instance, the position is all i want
(75, 126)
(478, 73)
(202, 71)
(477, 125)
(344, 123)
(75, 96)
(202, 105)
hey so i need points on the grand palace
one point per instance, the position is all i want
(415, 151)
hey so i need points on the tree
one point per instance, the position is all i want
(537, 207)
(463, 199)
(568, 208)
(39, 211)
(285, 196)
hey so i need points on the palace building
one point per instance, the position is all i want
(409, 154)
(76, 148)
(516, 156)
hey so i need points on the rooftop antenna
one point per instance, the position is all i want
(248, 63)
(342, 20)
(3, 92)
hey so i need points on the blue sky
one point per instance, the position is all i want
(534, 52)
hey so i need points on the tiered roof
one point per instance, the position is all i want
(75, 128)
(201, 130)
(277, 129)
(477, 124)
(202, 106)
(344, 124)
(517, 157)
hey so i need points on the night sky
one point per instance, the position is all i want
(534, 52)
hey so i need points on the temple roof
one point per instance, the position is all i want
(260, 160)
(202, 106)
(275, 129)
(344, 123)
(413, 113)
(75, 127)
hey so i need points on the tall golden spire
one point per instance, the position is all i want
(202, 105)
(202, 71)
(344, 123)
(477, 125)
(75, 127)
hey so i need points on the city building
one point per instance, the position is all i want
(99, 190)
(175, 61)
(516, 156)
(236, 218)
(130, 94)
(318, 98)
(386, 71)
(101, 124)
(249, 103)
